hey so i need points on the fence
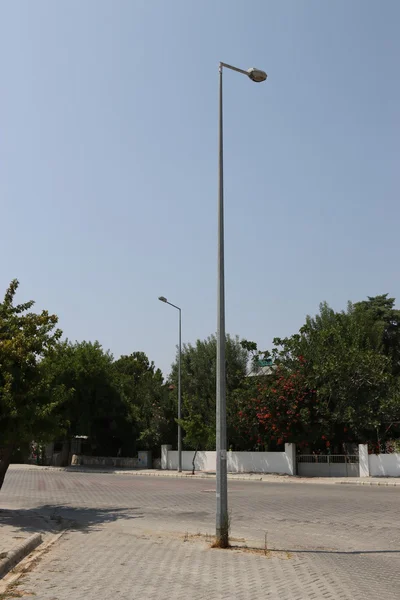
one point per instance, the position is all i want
(237, 462)
(328, 465)
(311, 465)
(142, 461)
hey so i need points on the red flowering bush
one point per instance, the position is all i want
(281, 409)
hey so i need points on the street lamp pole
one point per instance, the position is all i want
(222, 518)
(163, 299)
(222, 532)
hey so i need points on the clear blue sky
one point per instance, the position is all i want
(108, 163)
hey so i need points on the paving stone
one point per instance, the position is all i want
(332, 542)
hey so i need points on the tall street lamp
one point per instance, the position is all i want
(222, 520)
(163, 299)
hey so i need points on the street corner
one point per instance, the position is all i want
(23, 531)
(13, 553)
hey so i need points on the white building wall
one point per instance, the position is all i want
(384, 465)
(238, 462)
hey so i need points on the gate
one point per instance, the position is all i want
(328, 465)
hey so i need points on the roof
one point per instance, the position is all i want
(261, 371)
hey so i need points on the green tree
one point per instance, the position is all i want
(196, 434)
(150, 405)
(94, 408)
(335, 381)
(380, 311)
(29, 397)
(345, 364)
(198, 376)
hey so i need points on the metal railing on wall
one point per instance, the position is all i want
(328, 458)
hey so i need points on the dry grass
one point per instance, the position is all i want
(281, 554)
(237, 545)
(13, 592)
(207, 537)
(221, 544)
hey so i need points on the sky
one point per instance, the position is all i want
(109, 163)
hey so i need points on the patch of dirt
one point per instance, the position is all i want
(239, 546)
(13, 592)
(282, 555)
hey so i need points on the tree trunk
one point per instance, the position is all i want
(194, 458)
(5, 463)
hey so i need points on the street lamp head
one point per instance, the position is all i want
(162, 298)
(256, 75)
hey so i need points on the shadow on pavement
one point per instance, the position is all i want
(50, 517)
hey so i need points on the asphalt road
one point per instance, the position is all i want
(341, 517)
(350, 531)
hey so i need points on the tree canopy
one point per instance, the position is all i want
(150, 407)
(336, 381)
(339, 376)
(94, 408)
(198, 376)
(29, 397)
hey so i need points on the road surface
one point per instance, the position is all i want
(134, 537)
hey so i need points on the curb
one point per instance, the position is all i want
(15, 556)
(144, 473)
(288, 479)
(375, 483)
(195, 476)
(27, 563)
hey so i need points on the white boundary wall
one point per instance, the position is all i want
(371, 465)
(238, 462)
(384, 465)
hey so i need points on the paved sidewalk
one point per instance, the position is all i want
(106, 564)
(17, 527)
(271, 477)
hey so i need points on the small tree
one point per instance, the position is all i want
(29, 400)
(197, 434)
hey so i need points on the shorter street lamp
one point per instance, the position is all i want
(163, 299)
